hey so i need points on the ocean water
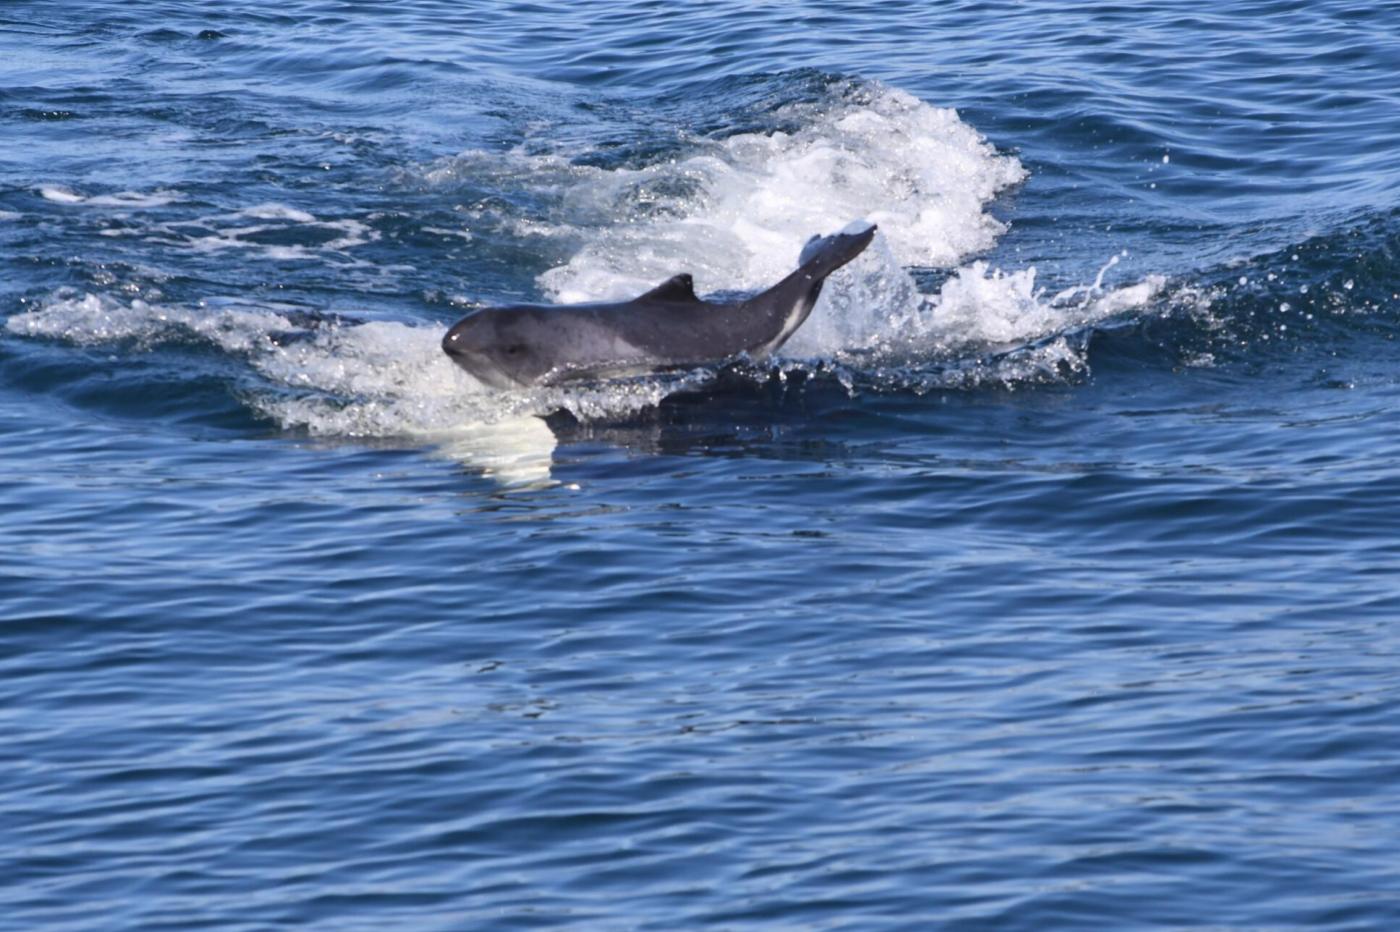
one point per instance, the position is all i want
(1049, 578)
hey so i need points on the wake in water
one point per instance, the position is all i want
(732, 211)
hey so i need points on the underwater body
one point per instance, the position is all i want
(1048, 576)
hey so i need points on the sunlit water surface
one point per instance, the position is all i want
(1047, 579)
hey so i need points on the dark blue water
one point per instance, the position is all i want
(1051, 578)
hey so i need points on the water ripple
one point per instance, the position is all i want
(1052, 583)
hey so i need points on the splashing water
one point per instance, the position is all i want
(733, 211)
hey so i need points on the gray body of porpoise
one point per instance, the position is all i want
(667, 328)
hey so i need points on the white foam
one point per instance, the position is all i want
(8, 215)
(977, 307)
(272, 211)
(354, 233)
(443, 231)
(122, 199)
(379, 379)
(60, 195)
(735, 213)
(89, 319)
(234, 230)
(385, 379)
(133, 199)
(222, 232)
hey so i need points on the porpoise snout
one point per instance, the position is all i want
(451, 343)
(457, 344)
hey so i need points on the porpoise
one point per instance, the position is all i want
(668, 327)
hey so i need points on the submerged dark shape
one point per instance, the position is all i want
(668, 327)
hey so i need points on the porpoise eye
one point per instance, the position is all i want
(515, 349)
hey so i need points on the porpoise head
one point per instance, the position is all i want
(501, 349)
(529, 344)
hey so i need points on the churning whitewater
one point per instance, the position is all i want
(732, 211)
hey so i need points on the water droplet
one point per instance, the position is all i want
(1348, 284)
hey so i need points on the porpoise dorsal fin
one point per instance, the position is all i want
(677, 288)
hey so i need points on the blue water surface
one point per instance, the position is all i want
(1092, 624)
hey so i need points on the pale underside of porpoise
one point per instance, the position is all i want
(666, 328)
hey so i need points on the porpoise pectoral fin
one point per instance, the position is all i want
(676, 289)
